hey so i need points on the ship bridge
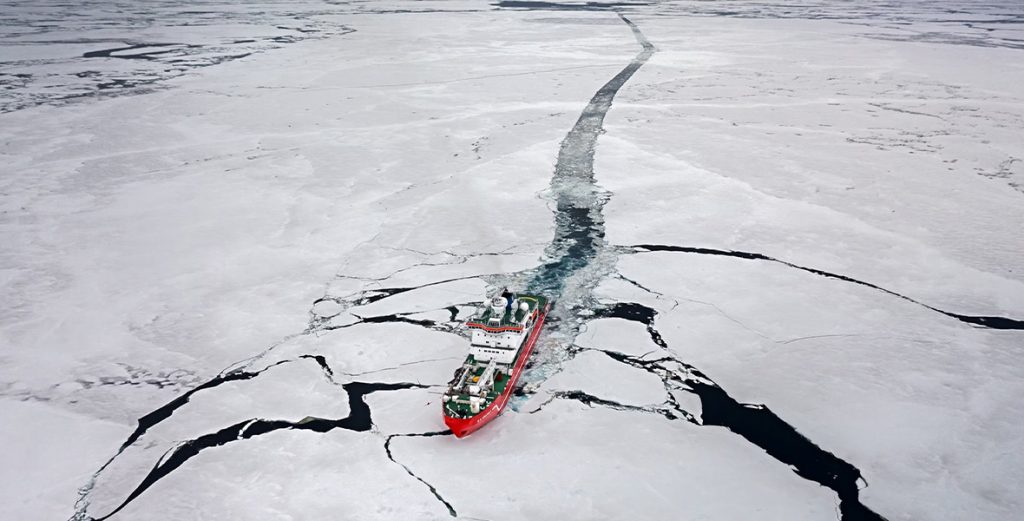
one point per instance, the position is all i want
(499, 331)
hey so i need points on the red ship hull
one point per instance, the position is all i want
(465, 426)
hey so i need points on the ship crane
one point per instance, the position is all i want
(488, 374)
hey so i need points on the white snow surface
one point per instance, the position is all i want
(239, 185)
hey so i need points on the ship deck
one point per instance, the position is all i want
(462, 409)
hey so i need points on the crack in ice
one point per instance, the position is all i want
(990, 322)
(433, 489)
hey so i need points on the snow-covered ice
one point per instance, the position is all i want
(784, 242)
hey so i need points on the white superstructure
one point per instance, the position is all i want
(500, 329)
